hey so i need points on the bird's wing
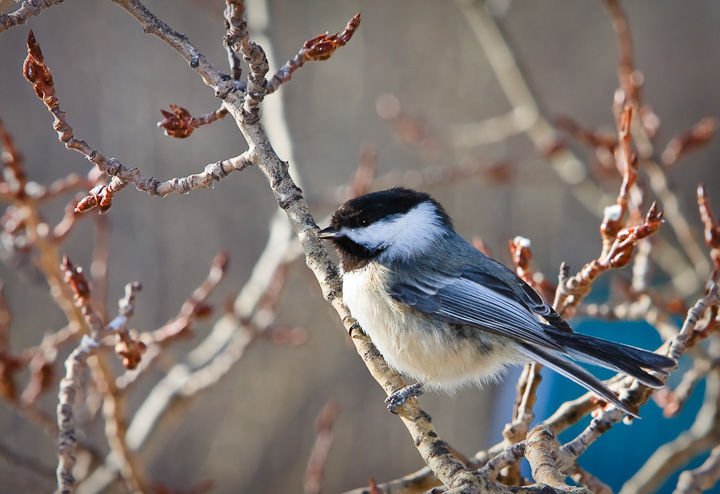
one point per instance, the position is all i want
(470, 297)
(514, 287)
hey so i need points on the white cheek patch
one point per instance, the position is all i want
(400, 236)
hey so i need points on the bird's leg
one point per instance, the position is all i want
(401, 396)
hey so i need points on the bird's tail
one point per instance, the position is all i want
(615, 356)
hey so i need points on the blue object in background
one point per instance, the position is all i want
(619, 453)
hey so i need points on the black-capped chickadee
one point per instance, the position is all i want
(443, 313)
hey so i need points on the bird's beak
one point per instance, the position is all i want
(329, 233)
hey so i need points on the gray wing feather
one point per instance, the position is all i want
(464, 299)
(512, 286)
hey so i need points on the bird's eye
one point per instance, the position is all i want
(363, 222)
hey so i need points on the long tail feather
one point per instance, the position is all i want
(560, 364)
(615, 356)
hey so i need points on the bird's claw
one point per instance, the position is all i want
(401, 396)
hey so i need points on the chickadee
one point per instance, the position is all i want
(443, 313)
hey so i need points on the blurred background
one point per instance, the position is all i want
(413, 76)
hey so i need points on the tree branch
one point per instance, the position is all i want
(28, 9)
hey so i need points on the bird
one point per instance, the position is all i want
(446, 315)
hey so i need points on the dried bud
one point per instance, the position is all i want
(621, 258)
(75, 278)
(612, 223)
(654, 216)
(177, 122)
(626, 239)
(100, 196)
(221, 261)
(323, 46)
(131, 352)
(36, 72)
(521, 253)
(201, 309)
(86, 204)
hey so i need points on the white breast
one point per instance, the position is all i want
(440, 356)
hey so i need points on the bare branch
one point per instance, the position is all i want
(238, 40)
(318, 48)
(321, 448)
(194, 308)
(673, 401)
(702, 478)
(703, 435)
(129, 348)
(712, 228)
(549, 466)
(65, 226)
(565, 163)
(99, 266)
(75, 279)
(679, 145)
(680, 343)
(551, 462)
(28, 9)
(630, 79)
(101, 196)
(508, 457)
(70, 387)
(572, 290)
(593, 138)
(614, 218)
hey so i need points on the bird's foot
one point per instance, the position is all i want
(401, 396)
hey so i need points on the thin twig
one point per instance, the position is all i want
(567, 166)
(702, 478)
(630, 79)
(318, 48)
(28, 9)
(321, 449)
(99, 266)
(699, 134)
(70, 387)
(101, 196)
(702, 435)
